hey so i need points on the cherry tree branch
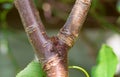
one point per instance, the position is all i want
(33, 27)
(70, 31)
(52, 51)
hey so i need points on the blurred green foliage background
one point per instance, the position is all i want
(102, 22)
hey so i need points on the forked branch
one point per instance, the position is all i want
(52, 51)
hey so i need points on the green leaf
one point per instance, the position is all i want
(107, 62)
(2, 1)
(34, 69)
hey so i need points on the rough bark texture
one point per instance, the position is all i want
(52, 52)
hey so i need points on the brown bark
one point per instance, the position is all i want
(70, 30)
(52, 52)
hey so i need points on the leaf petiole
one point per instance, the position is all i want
(81, 69)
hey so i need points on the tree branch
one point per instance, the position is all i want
(52, 51)
(33, 27)
(70, 31)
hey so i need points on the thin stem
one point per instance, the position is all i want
(81, 69)
(70, 31)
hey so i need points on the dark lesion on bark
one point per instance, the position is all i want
(56, 65)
